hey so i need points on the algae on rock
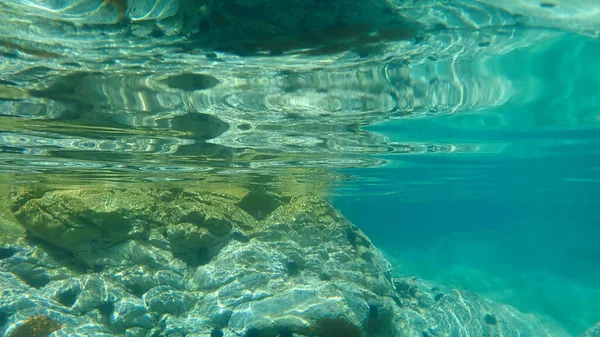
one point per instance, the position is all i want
(199, 262)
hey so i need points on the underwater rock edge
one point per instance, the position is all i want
(191, 263)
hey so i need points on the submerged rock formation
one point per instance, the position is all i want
(593, 331)
(185, 262)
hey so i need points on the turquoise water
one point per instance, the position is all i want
(517, 223)
(462, 137)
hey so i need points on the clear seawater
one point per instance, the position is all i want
(466, 145)
(516, 223)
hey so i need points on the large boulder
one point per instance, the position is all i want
(122, 223)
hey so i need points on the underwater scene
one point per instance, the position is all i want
(299, 168)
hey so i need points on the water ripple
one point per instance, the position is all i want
(124, 85)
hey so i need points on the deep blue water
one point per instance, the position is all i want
(516, 231)
(540, 258)
(519, 223)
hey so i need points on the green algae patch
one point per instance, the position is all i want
(37, 326)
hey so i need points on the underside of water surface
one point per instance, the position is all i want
(301, 168)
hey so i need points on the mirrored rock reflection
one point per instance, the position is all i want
(200, 120)
(285, 83)
(200, 85)
(147, 261)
